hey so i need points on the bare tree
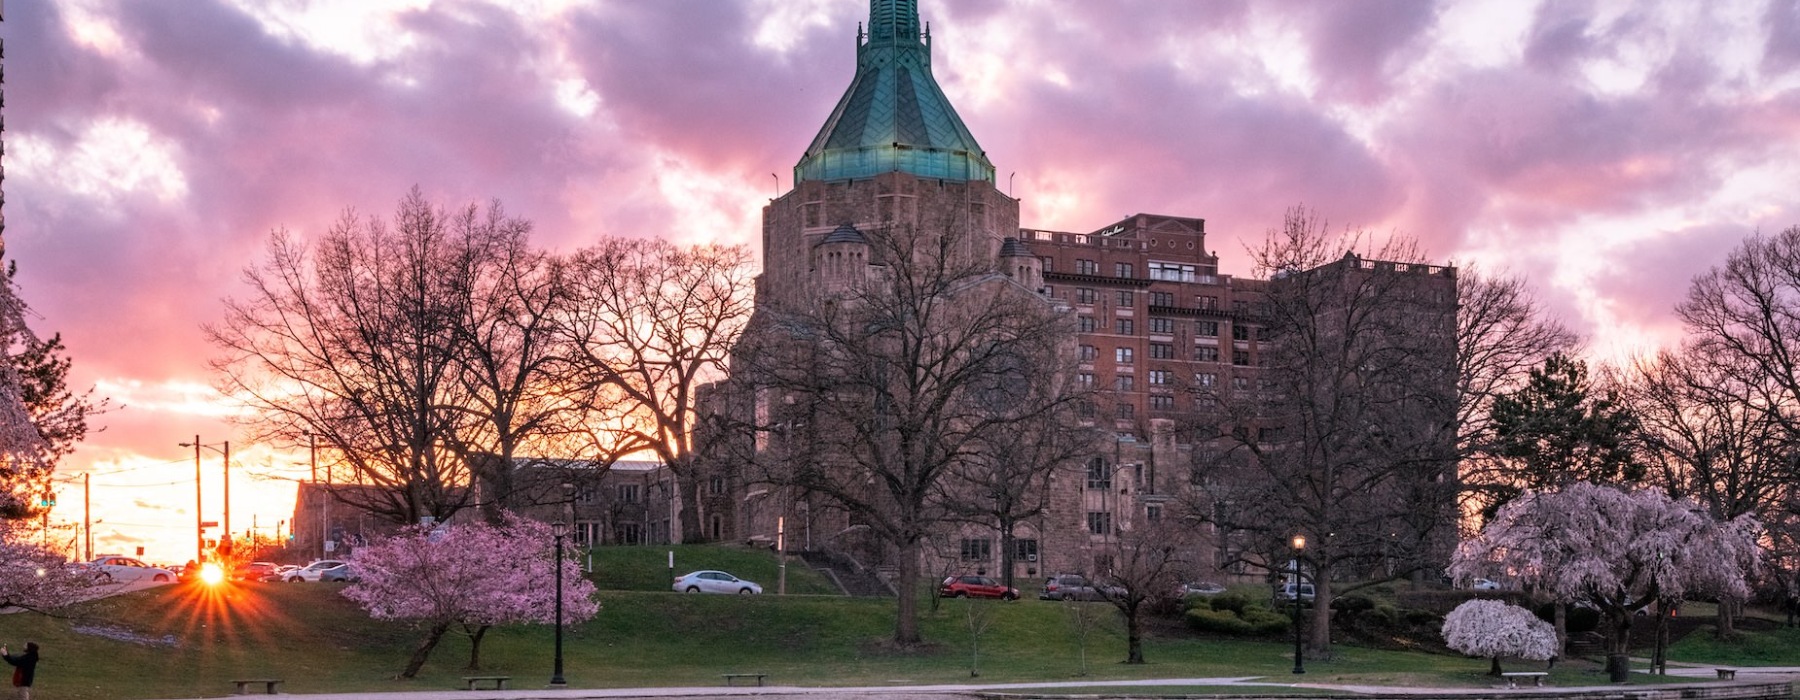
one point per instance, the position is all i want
(651, 323)
(1350, 437)
(873, 394)
(363, 340)
(1149, 561)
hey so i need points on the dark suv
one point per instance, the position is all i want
(1075, 587)
(976, 587)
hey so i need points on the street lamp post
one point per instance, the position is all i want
(1299, 544)
(558, 529)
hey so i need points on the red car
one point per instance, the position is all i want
(976, 587)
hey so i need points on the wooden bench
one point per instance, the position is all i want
(498, 681)
(731, 678)
(1726, 674)
(243, 685)
(1512, 678)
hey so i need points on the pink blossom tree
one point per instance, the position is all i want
(1494, 628)
(1615, 550)
(470, 576)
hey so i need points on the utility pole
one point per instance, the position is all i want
(87, 517)
(225, 524)
(199, 528)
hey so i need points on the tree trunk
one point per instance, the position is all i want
(1495, 669)
(906, 618)
(1134, 634)
(691, 532)
(1726, 625)
(1006, 552)
(1559, 616)
(475, 647)
(1319, 643)
(1618, 641)
(1659, 658)
(423, 651)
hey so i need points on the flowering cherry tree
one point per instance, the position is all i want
(1615, 550)
(1494, 628)
(470, 576)
(34, 577)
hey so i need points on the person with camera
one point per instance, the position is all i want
(24, 669)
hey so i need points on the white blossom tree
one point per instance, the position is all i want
(36, 577)
(1615, 550)
(1495, 628)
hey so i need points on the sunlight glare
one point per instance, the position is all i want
(212, 574)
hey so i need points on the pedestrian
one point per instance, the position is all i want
(24, 669)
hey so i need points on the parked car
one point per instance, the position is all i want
(281, 572)
(343, 573)
(1482, 584)
(1076, 587)
(254, 571)
(314, 571)
(1198, 588)
(1284, 593)
(714, 582)
(125, 569)
(969, 586)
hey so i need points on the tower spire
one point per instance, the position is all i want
(892, 21)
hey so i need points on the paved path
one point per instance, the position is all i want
(967, 691)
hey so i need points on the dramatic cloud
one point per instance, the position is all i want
(1609, 150)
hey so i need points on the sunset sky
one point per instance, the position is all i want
(1608, 151)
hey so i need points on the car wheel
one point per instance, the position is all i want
(961, 594)
(1008, 596)
(161, 578)
(745, 591)
(295, 579)
(693, 589)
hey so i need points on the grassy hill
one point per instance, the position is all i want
(189, 641)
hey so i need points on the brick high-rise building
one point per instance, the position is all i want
(1154, 321)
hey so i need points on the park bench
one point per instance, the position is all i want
(243, 685)
(731, 678)
(498, 681)
(1726, 674)
(1512, 677)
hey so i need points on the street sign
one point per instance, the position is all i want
(209, 523)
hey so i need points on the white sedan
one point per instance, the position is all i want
(126, 570)
(315, 571)
(714, 582)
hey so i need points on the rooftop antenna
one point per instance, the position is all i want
(777, 180)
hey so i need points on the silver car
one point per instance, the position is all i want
(315, 571)
(714, 582)
(126, 569)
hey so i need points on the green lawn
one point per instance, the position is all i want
(189, 641)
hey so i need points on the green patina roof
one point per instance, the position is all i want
(894, 116)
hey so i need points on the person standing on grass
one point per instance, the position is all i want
(24, 669)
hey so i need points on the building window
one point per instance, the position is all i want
(1124, 382)
(1122, 270)
(980, 550)
(1087, 267)
(1240, 383)
(1209, 329)
(1206, 354)
(1087, 324)
(1240, 332)
(1160, 377)
(629, 533)
(1122, 355)
(1162, 402)
(1153, 513)
(1085, 379)
(1088, 353)
(1125, 326)
(1170, 272)
(718, 528)
(1240, 307)
(1162, 299)
(588, 493)
(586, 533)
(1209, 302)
(1124, 411)
(1084, 409)
(1083, 295)
(1164, 326)
(1098, 476)
(1099, 523)
(1025, 550)
(716, 486)
(1206, 378)
(1162, 351)
(1125, 297)
(1240, 357)
(1048, 263)
(628, 493)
